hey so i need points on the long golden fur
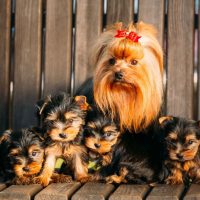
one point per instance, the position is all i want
(136, 100)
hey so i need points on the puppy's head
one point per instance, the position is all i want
(63, 116)
(182, 137)
(25, 151)
(101, 134)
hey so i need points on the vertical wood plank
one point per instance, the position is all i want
(57, 67)
(27, 61)
(5, 18)
(198, 68)
(88, 27)
(120, 11)
(180, 58)
(153, 13)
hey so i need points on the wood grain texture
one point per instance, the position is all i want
(88, 27)
(180, 58)
(27, 62)
(58, 191)
(21, 192)
(5, 20)
(153, 13)
(166, 192)
(91, 191)
(57, 67)
(120, 10)
(130, 192)
(193, 193)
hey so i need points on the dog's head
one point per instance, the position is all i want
(63, 116)
(128, 78)
(181, 137)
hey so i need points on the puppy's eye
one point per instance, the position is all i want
(190, 142)
(108, 134)
(34, 153)
(70, 120)
(112, 61)
(134, 62)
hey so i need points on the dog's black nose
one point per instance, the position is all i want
(179, 156)
(26, 169)
(118, 75)
(62, 135)
(97, 145)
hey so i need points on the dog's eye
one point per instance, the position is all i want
(190, 142)
(112, 61)
(34, 153)
(70, 120)
(108, 134)
(134, 62)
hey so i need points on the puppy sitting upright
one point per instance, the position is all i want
(21, 155)
(181, 141)
(63, 119)
(129, 66)
(100, 136)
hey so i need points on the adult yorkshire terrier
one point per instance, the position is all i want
(127, 83)
(181, 142)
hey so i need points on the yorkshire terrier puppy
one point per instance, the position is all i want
(100, 136)
(181, 142)
(129, 66)
(62, 122)
(137, 158)
(21, 155)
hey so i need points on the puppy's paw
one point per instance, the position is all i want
(171, 180)
(43, 180)
(61, 178)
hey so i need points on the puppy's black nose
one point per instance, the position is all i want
(118, 75)
(97, 145)
(179, 156)
(26, 169)
(62, 135)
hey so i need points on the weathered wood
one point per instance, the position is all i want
(198, 69)
(20, 192)
(166, 192)
(153, 12)
(57, 67)
(2, 186)
(5, 18)
(27, 62)
(58, 191)
(130, 192)
(180, 58)
(91, 191)
(120, 10)
(193, 193)
(88, 27)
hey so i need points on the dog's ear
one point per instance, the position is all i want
(81, 101)
(39, 132)
(164, 120)
(41, 104)
(5, 137)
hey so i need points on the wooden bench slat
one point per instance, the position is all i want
(130, 192)
(27, 62)
(166, 192)
(180, 58)
(153, 12)
(5, 20)
(20, 192)
(91, 191)
(193, 192)
(57, 69)
(88, 27)
(120, 11)
(2, 186)
(58, 191)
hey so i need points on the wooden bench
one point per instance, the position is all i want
(44, 48)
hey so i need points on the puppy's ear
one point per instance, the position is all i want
(81, 101)
(39, 132)
(42, 104)
(164, 120)
(5, 136)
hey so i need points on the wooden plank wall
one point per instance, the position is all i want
(52, 43)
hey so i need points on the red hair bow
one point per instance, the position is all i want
(129, 35)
